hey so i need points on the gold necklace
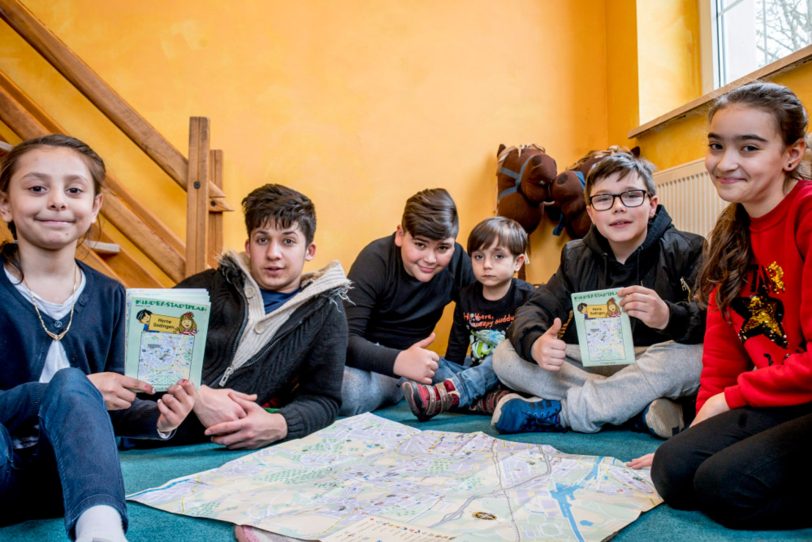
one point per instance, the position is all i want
(51, 334)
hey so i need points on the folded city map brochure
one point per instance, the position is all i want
(166, 334)
(604, 330)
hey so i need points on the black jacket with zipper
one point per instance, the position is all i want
(299, 371)
(667, 261)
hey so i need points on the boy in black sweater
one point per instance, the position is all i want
(401, 284)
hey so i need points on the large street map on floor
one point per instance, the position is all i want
(469, 486)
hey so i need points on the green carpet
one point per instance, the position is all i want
(150, 468)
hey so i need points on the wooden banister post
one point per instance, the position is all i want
(215, 214)
(197, 196)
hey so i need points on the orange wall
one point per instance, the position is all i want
(363, 103)
(622, 67)
(359, 104)
(669, 60)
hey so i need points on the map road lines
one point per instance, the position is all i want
(468, 485)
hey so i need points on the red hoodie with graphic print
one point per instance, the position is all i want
(757, 351)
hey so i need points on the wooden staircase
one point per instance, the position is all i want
(199, 174)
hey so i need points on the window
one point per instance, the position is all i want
(749, 34)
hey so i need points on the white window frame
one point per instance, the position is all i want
(767, 72)
(710, 56)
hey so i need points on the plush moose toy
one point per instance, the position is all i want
(567, 191)
(523, 175)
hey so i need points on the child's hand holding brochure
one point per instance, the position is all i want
(166, 334)
(604, 330)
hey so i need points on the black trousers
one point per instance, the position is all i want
(748, 468)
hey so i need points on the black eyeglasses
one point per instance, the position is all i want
(629, 198)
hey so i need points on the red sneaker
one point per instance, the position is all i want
(427, 401)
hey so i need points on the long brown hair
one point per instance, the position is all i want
(728, 253)
(94, 163)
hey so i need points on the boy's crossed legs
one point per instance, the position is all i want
(455, 387)
(590, 400)
(471, 382)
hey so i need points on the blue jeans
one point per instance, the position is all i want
(72, 467)
(365, 391)
(471, 382)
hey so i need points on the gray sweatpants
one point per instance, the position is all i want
(596, 396)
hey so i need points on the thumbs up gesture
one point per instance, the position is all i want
(417, 362)
(549, 351)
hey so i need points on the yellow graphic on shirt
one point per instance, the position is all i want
(775, 275)
(762, 313)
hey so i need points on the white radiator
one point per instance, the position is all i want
(688, 194)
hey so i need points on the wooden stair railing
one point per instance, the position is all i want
(95, 89)
(139, 225)
(192, 175)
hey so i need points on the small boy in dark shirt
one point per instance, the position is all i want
(486, 308)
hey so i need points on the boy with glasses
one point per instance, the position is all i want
(633, 246)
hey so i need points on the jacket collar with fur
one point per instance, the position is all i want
(261, 328)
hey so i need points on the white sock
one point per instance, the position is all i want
(101, 522)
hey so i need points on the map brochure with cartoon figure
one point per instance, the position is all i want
(604, 330)
(166, 334)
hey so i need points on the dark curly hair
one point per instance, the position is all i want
(282, 206)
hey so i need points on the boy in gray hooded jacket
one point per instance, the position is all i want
(277, 338)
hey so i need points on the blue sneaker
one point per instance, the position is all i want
(517, 414)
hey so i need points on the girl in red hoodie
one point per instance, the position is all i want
(745, 459)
